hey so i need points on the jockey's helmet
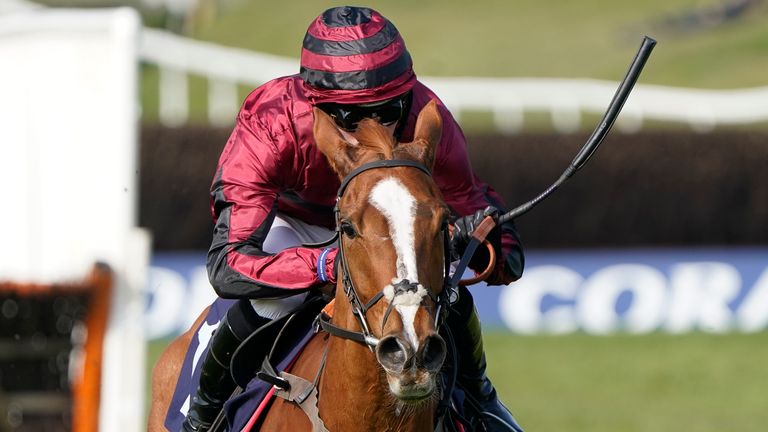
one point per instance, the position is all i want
(355, 65)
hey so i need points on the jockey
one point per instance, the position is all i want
(273, 188)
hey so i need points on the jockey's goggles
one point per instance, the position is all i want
(387, 112)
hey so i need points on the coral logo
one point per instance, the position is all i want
(635, 298)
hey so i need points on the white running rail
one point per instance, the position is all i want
(506, 98)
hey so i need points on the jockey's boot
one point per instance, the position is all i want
(216, 384)
(465, 326)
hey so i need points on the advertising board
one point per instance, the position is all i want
(592, 291)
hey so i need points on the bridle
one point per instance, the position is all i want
(284, 381)
(297, 389)
(360, 308)
(443, 300)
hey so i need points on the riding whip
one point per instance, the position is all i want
(589, 148)
(602, 129)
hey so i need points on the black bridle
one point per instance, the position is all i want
(360, 308)
(448, 295)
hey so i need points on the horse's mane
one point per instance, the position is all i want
(374, 137)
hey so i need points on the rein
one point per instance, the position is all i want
(359, 309)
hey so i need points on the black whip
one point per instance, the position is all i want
(602, 129)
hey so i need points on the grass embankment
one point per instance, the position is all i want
(558, 38)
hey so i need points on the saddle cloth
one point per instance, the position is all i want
(238, 409)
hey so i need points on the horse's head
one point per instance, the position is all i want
(392, 223)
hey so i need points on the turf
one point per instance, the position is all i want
(694, 382)
(557, 38)
(498, 38)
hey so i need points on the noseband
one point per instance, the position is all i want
(359, 309)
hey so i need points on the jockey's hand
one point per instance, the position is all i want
(328, 290)
(462, 234)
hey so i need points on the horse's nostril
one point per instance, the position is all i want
(392, 354)
(433, 353)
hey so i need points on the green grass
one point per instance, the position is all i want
(557, 38)
(499, 38)
(695, 382)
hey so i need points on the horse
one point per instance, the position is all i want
(377, 366)
(392, 221)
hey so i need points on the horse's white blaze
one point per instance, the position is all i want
(396, 203)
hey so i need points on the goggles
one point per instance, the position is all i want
(347, 116)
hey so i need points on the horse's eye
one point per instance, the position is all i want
(348, 229)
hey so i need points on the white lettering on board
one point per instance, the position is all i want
(596, 305)
(753, 314)
(700, 297)
(521, 301)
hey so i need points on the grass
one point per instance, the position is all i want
(557, 38)
(694, 382)
(525, 38)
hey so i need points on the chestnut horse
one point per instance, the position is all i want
(391, 221)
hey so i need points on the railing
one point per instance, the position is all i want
(506, 98)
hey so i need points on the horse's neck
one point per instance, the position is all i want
(353, 391)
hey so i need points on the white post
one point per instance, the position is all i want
(69, 164)
(173, 97)
(508, 118)
(222, 102)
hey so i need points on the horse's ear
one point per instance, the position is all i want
(341, 154)
(429, 130)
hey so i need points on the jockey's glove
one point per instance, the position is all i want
(462, 234)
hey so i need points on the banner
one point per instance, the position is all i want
(592, 291)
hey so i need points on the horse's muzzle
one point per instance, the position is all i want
(411, 376)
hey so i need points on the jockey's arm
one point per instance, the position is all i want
(465, 193)
(244, 203)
